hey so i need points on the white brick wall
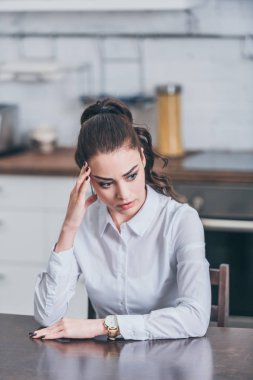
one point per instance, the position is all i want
(217, 81)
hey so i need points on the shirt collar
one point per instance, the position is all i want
(140, 222)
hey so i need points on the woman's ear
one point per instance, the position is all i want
(143, 158)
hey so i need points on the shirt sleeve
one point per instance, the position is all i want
(191, 314)
(55, 287)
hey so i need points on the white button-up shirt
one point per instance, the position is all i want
(153, 274)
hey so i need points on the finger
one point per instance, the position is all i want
(54, 335)
(37, 334)
(84, 186)
(46, 334)
(82, 179)
(84, 169)
(47, 330)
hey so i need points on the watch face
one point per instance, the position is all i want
(111, 321)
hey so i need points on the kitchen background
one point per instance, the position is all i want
(208, 50)
(53, 61)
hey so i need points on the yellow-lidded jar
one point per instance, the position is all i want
(169, 140)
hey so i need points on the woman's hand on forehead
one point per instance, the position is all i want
(77, 207)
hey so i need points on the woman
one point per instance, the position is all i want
(142, 253)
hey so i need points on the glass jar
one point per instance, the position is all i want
(169, 140)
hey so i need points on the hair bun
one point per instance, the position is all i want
(106, 106)
(90, 111)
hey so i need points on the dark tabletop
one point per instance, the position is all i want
(225, 353)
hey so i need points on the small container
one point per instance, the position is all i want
(169, 142)
(43, 139)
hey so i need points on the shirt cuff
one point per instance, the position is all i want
(133, 327)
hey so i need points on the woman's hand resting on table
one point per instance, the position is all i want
(72, 328)
(76, 210)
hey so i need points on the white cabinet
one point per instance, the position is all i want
(17, 284)
(17, 288)
(32, 209)
(21, 237)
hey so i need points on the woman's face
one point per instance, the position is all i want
(119, 181)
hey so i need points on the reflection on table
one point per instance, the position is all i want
(224, 354)
(186, 359)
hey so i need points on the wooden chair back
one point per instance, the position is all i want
(220, 278)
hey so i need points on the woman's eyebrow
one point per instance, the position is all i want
(111, 179)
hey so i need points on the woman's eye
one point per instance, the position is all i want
(104, 185)
(132, 177)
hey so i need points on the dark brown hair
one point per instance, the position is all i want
(106, 126)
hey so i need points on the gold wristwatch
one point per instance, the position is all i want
(111, 323)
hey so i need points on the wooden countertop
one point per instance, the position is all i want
(225, 353)
(193, 167)
(59, 163)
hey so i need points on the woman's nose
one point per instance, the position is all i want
(122, 192)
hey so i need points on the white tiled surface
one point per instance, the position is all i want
(217, 80)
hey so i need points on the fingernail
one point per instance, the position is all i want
(87, 178)
(32, 334)
(84, 163)
(43, 336)
(87, 169)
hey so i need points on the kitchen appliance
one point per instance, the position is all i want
(169, 140)
(226, 211)
(10, 139)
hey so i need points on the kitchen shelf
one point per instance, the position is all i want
(30, 71)
(96, 5)
(127, 35)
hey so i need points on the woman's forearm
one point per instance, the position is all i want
(66, 239)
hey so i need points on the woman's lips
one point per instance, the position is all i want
(126, 206)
